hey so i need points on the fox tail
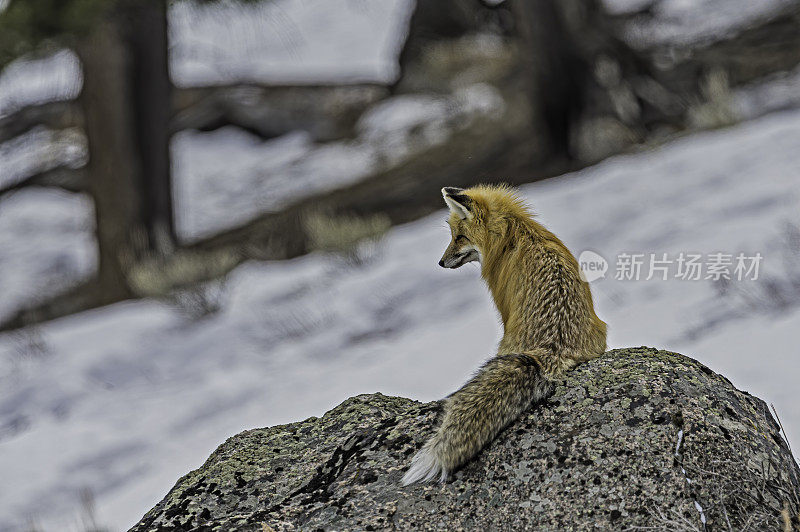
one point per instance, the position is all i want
(499, 393)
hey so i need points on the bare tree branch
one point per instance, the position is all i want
(53, 115)
(64, 177)
(327, 112)
(768, 45)
(85, 296)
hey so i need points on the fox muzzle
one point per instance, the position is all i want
(459, 259)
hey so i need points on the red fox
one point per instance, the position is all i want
(549, 323)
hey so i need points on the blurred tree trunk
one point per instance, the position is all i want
(127, 108)
(557, 75)
(586, 92)
(594, 93)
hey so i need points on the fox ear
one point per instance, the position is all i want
(459, 203)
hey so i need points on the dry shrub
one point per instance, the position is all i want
(717, 108)
(350, 237)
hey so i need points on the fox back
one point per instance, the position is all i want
(534, 279)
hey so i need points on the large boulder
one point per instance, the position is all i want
(636, 438)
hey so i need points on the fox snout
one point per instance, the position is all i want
(458, 259)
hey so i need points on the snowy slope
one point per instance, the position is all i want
(124, 400)
(212, 170)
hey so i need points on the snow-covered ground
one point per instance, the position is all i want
(122, 401)
(279, 171)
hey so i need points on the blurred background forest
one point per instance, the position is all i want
(221, 215)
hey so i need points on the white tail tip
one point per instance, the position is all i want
(425, 466)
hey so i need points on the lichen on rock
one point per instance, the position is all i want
(636, 438)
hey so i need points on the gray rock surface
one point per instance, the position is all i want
(636, 438)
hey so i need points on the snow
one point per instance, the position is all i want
(278, 41)
(31, 81)
(393, 123)
(290, 41)
(211, 169)
(293, 41)
(46, 245)
(681, 22)
(38, 150)
(276, 172)
(124, 400)
(776, 92)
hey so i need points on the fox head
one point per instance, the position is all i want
(464, 229)
(481, 219)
